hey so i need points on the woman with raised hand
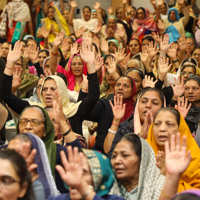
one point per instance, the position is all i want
(75, 112)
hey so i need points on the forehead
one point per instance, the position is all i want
(31, 113)
(50, 10)
(172, 12)
(191, 83)
(40, 81)
(124, 80)
(151, 95)
(76, 58)
(133, 42)
(196, 51)
(166, 116)
(188, 69)
(5, 44)
(111, 20)
(145, 41)
(43, 53)
(65, 12)
(86, 10)
(124, 146)
(189, 40)
(134, 74)
(50, 83)
(7, 168)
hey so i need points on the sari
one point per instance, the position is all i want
(190, 179)
(150, 183)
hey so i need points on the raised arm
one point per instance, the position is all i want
(98, 9)
(73, 5)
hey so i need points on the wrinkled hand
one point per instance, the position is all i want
(111, 67)
(160, 162)
(156, 37)
(183, 106)
(33, 53)
(152, 50)
(148, 82)
(120, 54)
(163, 65)
(72, 171)
(98, 62)
(172, 51)
(16, 82)
(118, 108)
(177, 158)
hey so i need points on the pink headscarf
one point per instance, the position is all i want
(70, 75)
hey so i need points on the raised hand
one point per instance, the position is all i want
(104, 47)
(148, 82)
(172, 51)
(59, 38)
(182, 43)
(164, 44)
(15, 54)
(144, 56)
(44, 32)
(181, 3)
(73, 4)
(121, 33)
(120, 54)
(163, 67)
(177, 158)
(160, 2)
(111, 67)
(84, 84)
(161, 25)
(178, 88)
(135, 26)
(98, 62)
(183, 106)
(72, 171)
(118, 108)
(97, 29)
(80, 31)
(16, 82)
(74, 48)
(33, 53)
(86, 38)
(156, 37)
(152, 50)
(146, 125)
(96, 6)
(110, 11)
(160, 162)
(87, 53)
(153, 2)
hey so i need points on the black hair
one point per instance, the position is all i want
(189, 65)
(117, 10)
(134, 39)
(95, 46)
(186, 196)
(110, 38)
(173, 111)
(88, 7)
(19, 164)
(148, 89)
(44, 50)
(24, 41)
(194, 78)
(135, 142)
(108, 56)
(191, 60)
(61, 75)
(141, 9)
(62, 62)
(149, 38)
(141, 74)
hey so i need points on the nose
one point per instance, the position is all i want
(28, 125)
(149, 105)
(163, 127)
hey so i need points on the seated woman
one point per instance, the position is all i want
(36, 120)
(15, 177)
(167, 122)
(148, 103)
(54, 23)
(192, 87)
(137, 174)
(102, 111)
(113, 29)
(90, 176)
(75, 112)
(86, 21)
(42, 179)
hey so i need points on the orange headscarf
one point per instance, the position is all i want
(190, 179)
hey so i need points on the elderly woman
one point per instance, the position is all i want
(88, 175)
(137, 175)
(75, 112)
(113, 29)
(167, 122)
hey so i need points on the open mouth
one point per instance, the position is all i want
(48, 99)
(163, 138)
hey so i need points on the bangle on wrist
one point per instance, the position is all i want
(115, 124)
(111, 131)
(10, 68)
(66, 133)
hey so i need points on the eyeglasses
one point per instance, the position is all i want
(187, 74)
(6, 182)
(79, 64)
(33, 122)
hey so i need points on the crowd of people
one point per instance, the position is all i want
(103, 107)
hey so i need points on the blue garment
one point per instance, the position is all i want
(96, 197)
(38, 189)
(176, 13)
(173, 33)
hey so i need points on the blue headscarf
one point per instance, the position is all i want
(176, 13)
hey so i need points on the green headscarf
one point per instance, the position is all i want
(48, 138)
(102, 173)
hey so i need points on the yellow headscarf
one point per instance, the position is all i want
(190, 179)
